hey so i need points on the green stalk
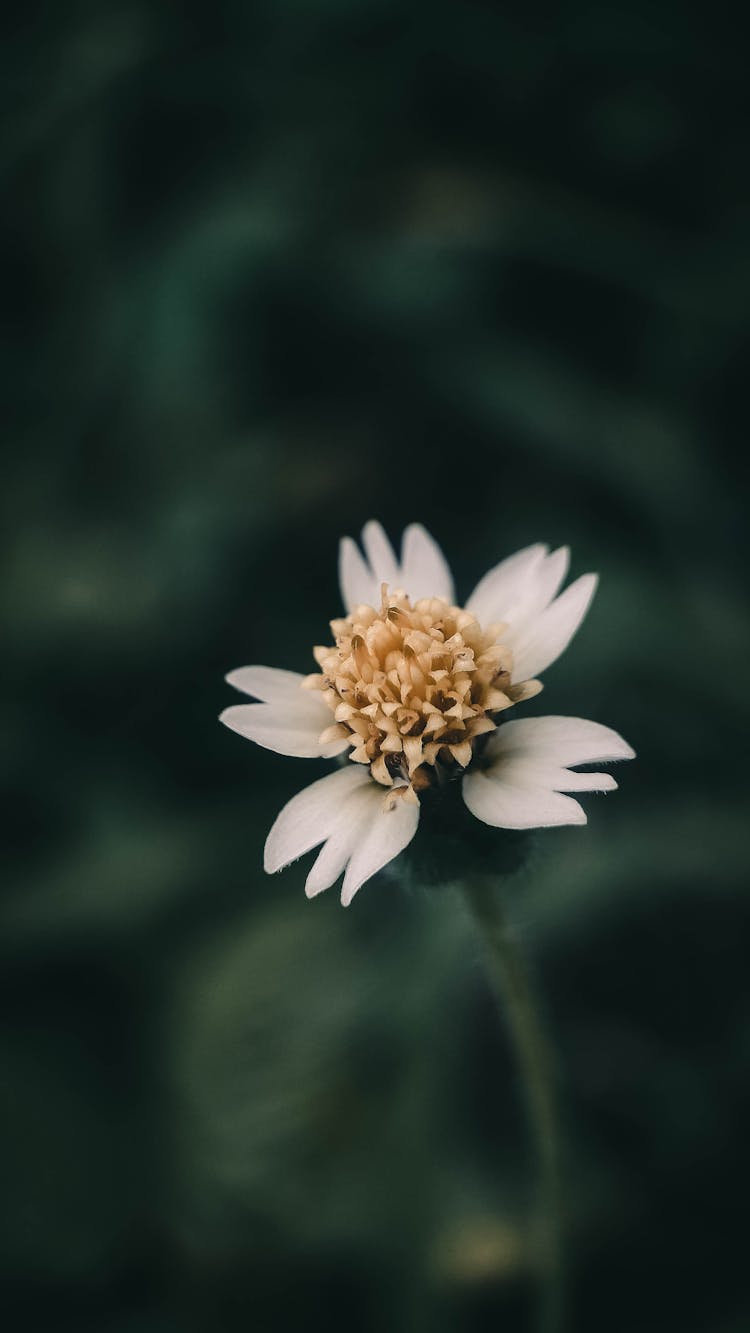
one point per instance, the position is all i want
(511, 983)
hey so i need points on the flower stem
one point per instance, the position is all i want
(511, 982)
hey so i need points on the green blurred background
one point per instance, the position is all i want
(269, 270)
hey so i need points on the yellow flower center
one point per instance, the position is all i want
(413, 687)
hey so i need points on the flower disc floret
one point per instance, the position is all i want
(413, 686)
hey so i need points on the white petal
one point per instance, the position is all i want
(424, 568)
(548, 578)
(380, 554)
(506, 806)
(529, 770)
(312, 815)
(351, 826)
(505, 585)
(350, 814)
(534, 591)
(288, 729)
(270, 684)
(289, 720)
(389, 831)
(560, 741)
(357, 582)
(516, 772)
(423, 571)
(540, 641)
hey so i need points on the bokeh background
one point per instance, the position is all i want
(271, 269)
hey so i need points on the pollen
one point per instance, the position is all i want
(413, 687)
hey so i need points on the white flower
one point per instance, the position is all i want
(413, 687)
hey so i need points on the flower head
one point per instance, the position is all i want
(416, 689)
